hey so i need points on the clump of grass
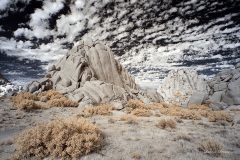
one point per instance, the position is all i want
(141, 112)
(134, 104)
(211, 147)
(62, 102)
(173, 111)
(27, 105)
(220, 116)
(203, 110)
(136, 156)
(67, 139)
(26, 101)
(129, 117)
(194, 115)
(156, 106)
(102, 109)
(163, 123)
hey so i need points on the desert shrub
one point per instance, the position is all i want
(51, 94)
(24, 95)
(156, 106)
(127, 117)
(162, 123)
(220, 116)
(190, 115)
(62, 102)
(128, 109)
(173, 111)
(136, 104)
(136, 156)
(211, 147)
(234, 109)
(102, 109)
(198, 107)
(25, 101)
(69, 138)
(141, 112)
(27, 105)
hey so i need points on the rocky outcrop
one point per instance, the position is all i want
(6, 88)
(183, 87)
(225, 88)
(89, 74)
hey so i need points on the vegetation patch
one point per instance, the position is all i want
(211, 147)
(102, 109)
(69, 138)
(163, 123)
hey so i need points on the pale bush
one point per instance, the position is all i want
(67, 139)
(202, 110)
(24, 95)
(136, 104)
(156, 106)
(102, 109)
(173, 111)
(162, 123)
(51, 94)
(141, 112)
(220, 116)
(62, 102)
(194, 115)
(129, 117)
(27, 105)
(211, 147)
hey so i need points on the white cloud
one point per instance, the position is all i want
(3, 4)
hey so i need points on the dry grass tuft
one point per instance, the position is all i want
(194, 115)
(172, 111)
(156, 106)
(220, 116)
(67, 139)
(129, 117)
(136, 156)
(211, 147)
(141, 112)
(62, 102)
(102, 109)
(134, 104)
(203, 110)
(27, 105)
(25, 101)
(162, 123)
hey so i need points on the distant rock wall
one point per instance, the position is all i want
(225, 88)
(184, 86)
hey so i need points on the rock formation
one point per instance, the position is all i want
(6, 88)
(183, 87)
(225, 88)
(89, 74)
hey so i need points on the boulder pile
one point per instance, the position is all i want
(225, 88)
(184, 87)
(90, 75)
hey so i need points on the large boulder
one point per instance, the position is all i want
(181, 84)
(225, 87)
(89, 74)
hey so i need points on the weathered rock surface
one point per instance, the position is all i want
(183, 87)
(225, 87)
(89, 74)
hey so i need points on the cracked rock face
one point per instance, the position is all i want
(181, 86)
(89, 74)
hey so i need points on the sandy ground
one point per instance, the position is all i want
(130, 140)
